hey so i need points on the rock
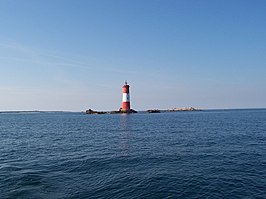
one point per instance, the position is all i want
(127, 111)
(185, 109)
(153, 111)
(90, 111)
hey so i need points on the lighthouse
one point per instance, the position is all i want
(125, 109)
(125, 98)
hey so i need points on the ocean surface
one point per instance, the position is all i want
(203, 154)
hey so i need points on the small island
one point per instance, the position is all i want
(121, 111)
(90, 111)
(173, 110)
(183, 109)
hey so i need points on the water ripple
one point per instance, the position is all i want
(208, 154)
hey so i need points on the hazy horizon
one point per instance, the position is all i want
(75, 55)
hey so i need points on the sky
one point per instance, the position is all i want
(73, 55)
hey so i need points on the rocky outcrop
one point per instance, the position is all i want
(184, 109)
(90, 111)
(173, 110)
(123, 111)
(153, 111)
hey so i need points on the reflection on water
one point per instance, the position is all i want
(125, 131)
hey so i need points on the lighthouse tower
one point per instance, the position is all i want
(125, 98)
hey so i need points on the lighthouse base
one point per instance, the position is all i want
(121, 111)
(127, 111)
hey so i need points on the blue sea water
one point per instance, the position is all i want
(204, 154)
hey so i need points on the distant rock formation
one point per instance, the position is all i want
(123, 111)
(184, 109)
(173, 110)
(153, 111)
(90, 111)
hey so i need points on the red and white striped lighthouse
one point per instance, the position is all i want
(125, 98)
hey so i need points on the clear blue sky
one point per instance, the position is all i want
(76, 54)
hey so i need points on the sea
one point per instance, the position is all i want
(197, 154)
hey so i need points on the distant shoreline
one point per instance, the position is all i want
(141, 111)
(34, 112)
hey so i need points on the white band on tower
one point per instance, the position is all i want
(125, 97)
